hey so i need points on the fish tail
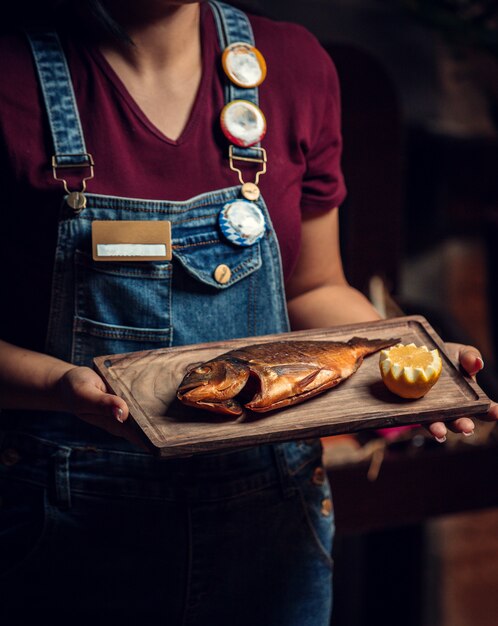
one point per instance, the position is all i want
(372, 345)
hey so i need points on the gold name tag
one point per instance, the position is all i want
(131, 241)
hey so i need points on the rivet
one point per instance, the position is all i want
(250, 191)
(319, 476)
(10, 456)
(222, 274)
(326, 507)
(77, 201)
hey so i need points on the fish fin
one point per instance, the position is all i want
(296, 399)
(224, 407)
(305, 371)
(367, 346)
(307, 380)
(282, 382)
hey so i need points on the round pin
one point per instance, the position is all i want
(244, 64)
(243, 123)
(250, 191)
(242, 222)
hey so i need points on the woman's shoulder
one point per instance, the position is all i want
(292, 49)
(289, 34)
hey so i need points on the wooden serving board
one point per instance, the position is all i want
(148, 381)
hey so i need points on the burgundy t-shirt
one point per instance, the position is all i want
(300, 100)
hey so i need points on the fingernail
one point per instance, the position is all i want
(118, 414)
(440, 439)
(468, 434)
(479, 363)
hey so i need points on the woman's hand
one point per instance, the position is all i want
(471, 361)
(84, 394)
(35, 381)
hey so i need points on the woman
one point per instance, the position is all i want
(93, 528)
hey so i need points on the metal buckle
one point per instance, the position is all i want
(262, 161)
(89, 163)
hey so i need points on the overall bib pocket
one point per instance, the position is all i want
(120, 307)
(219, 285)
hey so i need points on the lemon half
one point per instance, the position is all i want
(408, 370)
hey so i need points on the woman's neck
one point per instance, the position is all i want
(165, 35)
(162, 69)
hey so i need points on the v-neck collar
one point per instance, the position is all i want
(208, 56)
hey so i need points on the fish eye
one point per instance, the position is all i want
(203, 369)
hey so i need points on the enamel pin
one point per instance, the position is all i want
(242, 222)
(244, 65)
(243, 123)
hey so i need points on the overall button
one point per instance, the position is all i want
(250, 191)
(318, 476)
(10, 457)
(326, 507)
(243, 123)
(222, 274)
(242, 222)
(244, 64)
(77, 201)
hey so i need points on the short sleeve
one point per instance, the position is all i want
(323, 183)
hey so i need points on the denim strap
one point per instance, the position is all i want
(60, 102)
(233, 25)
(59, 482)
(69, 145)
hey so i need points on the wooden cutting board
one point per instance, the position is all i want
(148, 381)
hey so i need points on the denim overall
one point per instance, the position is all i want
(91, 527)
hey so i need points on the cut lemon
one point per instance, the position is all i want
(408, 370)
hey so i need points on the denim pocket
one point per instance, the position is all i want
(316, 500)
(92, 339)
(201, 254)
(205, 309)
(27, 523)
(120, 307)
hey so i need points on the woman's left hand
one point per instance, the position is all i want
(471, 361)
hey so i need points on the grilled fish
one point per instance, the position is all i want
(272, 375)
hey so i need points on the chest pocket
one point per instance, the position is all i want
(120, 307)
(201, 255)
(126, 307)
(216, 283)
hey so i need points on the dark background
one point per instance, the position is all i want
(420, 102)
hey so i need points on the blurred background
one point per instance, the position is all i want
(417, 523)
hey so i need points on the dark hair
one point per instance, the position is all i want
(96, 15)
(90, 16)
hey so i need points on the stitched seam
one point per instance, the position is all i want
(194, 245)
(252, 307)
(296, 470)
(197, 219)
(323, 552)
(109, 334)
(132, 206)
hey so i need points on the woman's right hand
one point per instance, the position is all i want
(40, 382)
(83, 393)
